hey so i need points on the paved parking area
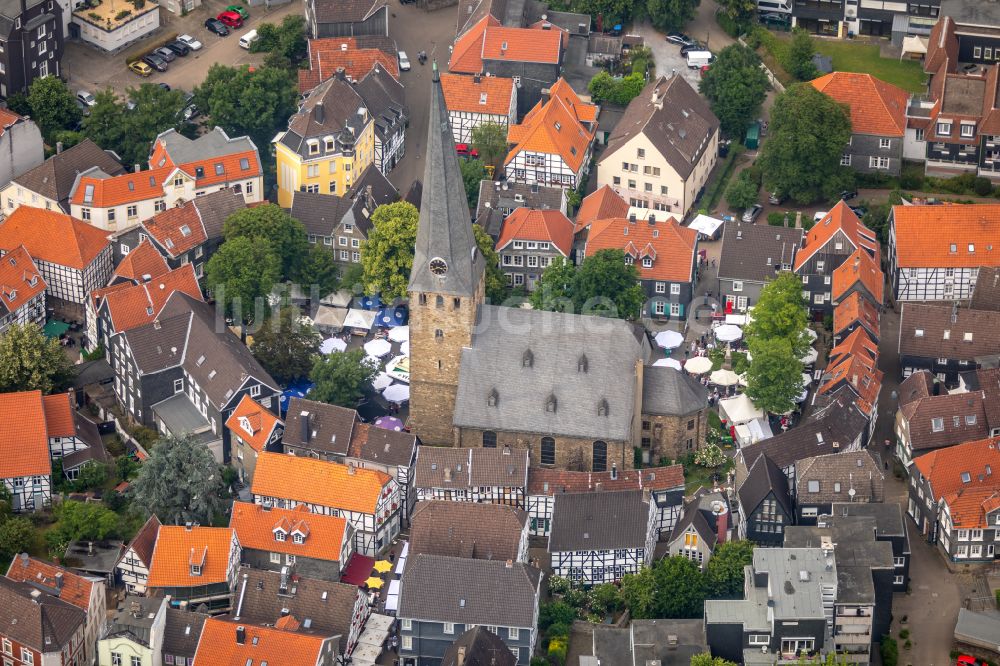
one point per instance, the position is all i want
(667, 56)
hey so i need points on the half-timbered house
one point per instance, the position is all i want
(133, 566)
(254, 430)
(226, 641)
(857, 375)
(48, 630)
(489, 474)
(382, 94)
(22, 290)
(599, 537)
(856, 312)
(469, 529)
(860, 273)
(195, 565)
(370, 500)
(664, 485)
(476, 100)
(946, 340)
(390, 452)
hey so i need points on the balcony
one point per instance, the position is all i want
(628, 194)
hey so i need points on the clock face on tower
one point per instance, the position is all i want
(438, 266)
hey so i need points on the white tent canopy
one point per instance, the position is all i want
(404, 348)
(330, 319)
(392, 598)
(399, 333)
(331, 345)
(359, 319)
(668, 363)
(752, 432)
(724, 377)
(810, 357)
(340, 299)
(739, 410)
(378, 348)
(381, 381)
(914, 44)
(669, 339)
(698, 365)
(705, 225)
(397, 393)
(728, 333)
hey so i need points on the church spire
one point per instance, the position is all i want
(446, 260)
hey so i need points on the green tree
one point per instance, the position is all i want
(735, 86)
(739, 10)
(288, 40)
(602, 87)
(605, 285)
(286, 347)
(799, 62)
(156, 110)
(473, 172)
(241, 272)
(387, 255)
(606, 88)
(53, 106)
(780, 312)
(29, 361)
(16, 535)
(742, 192)
(554, 291)
(555, 618)
(724, 572)
(319, 268)
(706, 659)
(85, 520)
(243, 102)
(490, 139)
(639, 594)
(680, 589)
(710, 456)
(802, 156)
(496, 283)
(92, 475)
(270, 225)
(670, 14)
(181, 482)
(105, 125)
(340, 377)
(606, 598)
(774, 378)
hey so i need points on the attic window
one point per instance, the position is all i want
(966, 477)
(152, 181)
(201, 359)
(602, 407)
(219, 169)
(937, 425)
(572, 149)
(972, 248)
(527, 359)
(279, 535)
(503, 46)
(131, 186)
(558, 126)
(244, 164)
(298, 537)
(88, 194)
(493, 398)
(482, 98)
(947, 334)
(199, 172)
(212, 374)
(185, 230)
(550, 404)
(970, 419)
(582, 364)
(954, 248)
(918, 333)
(967, 337)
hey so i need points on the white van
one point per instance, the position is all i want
(248, 39)
(699, 59)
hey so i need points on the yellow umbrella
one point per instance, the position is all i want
(383, 566)
(374, 583)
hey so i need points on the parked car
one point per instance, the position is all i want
(86, 98)
(752, 213)
(164, 86)
(693, 46)
(404, 62)
(860, 211)
(155, 61)
(465, 150)
(140, 68)
(189, 112)
(191, 42)
(230, 19)
(775, 198)
(966, 660)
(239, 9)
(847, 195)
(217, 26)
(679, 38)
(820, 214)
(165, 53)
(179, 48)
(84, 109)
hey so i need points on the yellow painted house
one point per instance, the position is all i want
(328, 143)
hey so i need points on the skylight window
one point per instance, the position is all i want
(185, 230)
(88, 194)
(244, 164)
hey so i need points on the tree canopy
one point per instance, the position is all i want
(286, 347)
(496, 283)
(16, 534)
(604, 88)
(799, 61)
(780, 312)
(340, 377)
(743, 191)
(181, 482)
(86, 520)
(554, 291)
(287, 40)
(29, 361)
(270, 225)
(672, 588)
(670, 14)
(607, 286)
(387, 254)
(241, 274)
(130, 133)
(774, 378)
(53, 106)
(473, 172)
(706, 659)
(319, 268)
(808, 133)
(490, 139)
(735, 86)
(724, 572)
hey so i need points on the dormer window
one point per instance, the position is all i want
(629, 260)
(550, 404)
(298, 538)
(647, 262)
(527, 359)
(582, 363)
(482, 98)
(602, 407)
(968, 130)
(313, 146)
(944, 129)
(493, 398)
(329, 144)
(279, 535)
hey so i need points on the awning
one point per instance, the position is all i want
(54, 328)
(359, 319)
(369, 302)
(357, 570)
(331, 345)
(339, 299)
(706, 225)
(365, 655)
(330, 318)
(914, 44)
(377, 628)
(739, 409)
(752, 432)
(392, 599)
(390, 317)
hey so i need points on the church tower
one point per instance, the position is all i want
(447, 283)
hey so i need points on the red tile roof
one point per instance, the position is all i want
(859, 267)
(467, 52)
(24, 444)
(860, 374)
(328, 54)
(537, 225)
(544, 481)
(840, 218)
(75, 588)
(599, 205)
(178, 547)
(255, 528)
(178, 229)
(318, 482)
(969, 509)
(876, 107)
(668, 244)
(273, 646)
(522, 45)
(53, 237)
(555, 127)
(142, 260)
(491, 95)
(944, 468)
(853, 309)
(260, 420)
(20, 280)
(8, 118)
(59, 420)
(942, 46)
(856, 344)
(925, 235)
(140, 304)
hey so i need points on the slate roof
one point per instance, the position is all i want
(382, 95)
(986, 380)
(330, 426)
(466, 591)
(756, 252)
(182, 631)
(670, 246)
(53, 237)
(37, 620)
(215, 208)
(876, 107)
(696, 514)
(548, 481)
(327, 606)
(552, 377)
(318, 482)
(177, 149)
(537, 225)
(54, 178)
(467, 529)
(382, 446)
(670, 392)
(332, 109)
(494, 195)
(345, 11)
(764, 477)
(924, 235)
(986, 295)
(277, 647)
(854, 470)
(598, 521)
(954, 409)
(933, 320)
(679, 124)
(443, 231)
(478, 647)
(470, 467)
(321, 214)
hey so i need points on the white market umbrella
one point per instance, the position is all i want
(698, 365)
(813, 335)
(723, 377)
(728, 333)
(668, 363)
(382, 381)
(331, 345)
(397, 393)
(404, 348)
(669, 339)
(378, 348)
(399, 334)
(810, 357)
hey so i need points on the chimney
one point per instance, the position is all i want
(477, 79)
(90, 548)
(304, 432)
(59, 147)
(146, 277)
(137, 168)
(460, 658)
(506, 449)
(59, 580)
(546, 95)
(652, 219)
(241, 635)
(266, 506)
(721, 527)
(350, 469)
(187, 526)
(24, 559)
(510, 564)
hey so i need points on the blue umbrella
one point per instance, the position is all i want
(390, 317)
(294, 391)
(370, 302)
